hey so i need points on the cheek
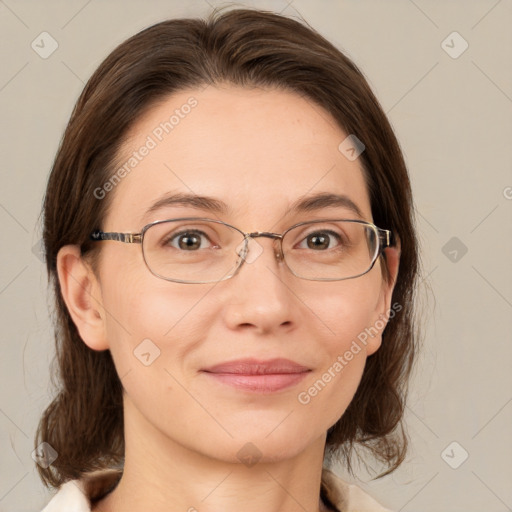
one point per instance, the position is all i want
(154, 328)
(343, 319)
(346, 311)
(329, 392)
(147, 315)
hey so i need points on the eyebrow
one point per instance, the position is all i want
(325, 200)
(205, 203)
(210, 204)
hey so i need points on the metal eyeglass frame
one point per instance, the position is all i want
(384, 237)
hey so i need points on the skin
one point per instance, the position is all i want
(258, 151)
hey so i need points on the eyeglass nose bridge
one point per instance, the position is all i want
(266, 234)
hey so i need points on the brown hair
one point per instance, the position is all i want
(84, 422)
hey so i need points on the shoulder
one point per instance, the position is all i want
(348, 497)
(76, 495)
(70, 498)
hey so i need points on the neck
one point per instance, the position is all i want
(163, 475)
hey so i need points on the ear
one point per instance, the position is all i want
(383, 309)
(82, 294)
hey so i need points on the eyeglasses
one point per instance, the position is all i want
(200, 250)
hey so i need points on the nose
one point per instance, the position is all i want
(259, 297)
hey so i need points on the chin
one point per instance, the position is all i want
(259, 447)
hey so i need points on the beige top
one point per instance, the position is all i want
(76, 495)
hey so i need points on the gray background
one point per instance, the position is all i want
(453, 119)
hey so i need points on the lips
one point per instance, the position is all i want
(258, 376)
(258, 367)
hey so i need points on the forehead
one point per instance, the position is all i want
(256, 150)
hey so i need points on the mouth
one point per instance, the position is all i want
(258, 376)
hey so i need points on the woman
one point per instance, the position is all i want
(228, 230)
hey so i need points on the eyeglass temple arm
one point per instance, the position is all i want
(128, 238)
(387, 239)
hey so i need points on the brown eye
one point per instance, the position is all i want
(321, 240)
(318, 241)
(188, 240)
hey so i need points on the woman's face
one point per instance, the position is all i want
(258, 152)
